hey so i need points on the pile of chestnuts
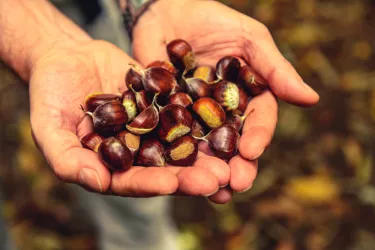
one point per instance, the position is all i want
(168, 108)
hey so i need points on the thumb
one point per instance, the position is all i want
(284, 81)
(68, 159)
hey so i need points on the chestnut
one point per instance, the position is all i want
(227, 68)
(181, 55)
(182, 152)
(157, 80)
(236, 121)
(251, 81)
(92, 141)
(142, 100)
(109, 118)
(223, 141)
(197, 129)
(131, 141)
(95, 100)
(151, 153)
(210, 112)
(115, 155)
(243, 102)
(227, 95)
(175, 122)
(163, 64)
(146, 121)
(197, 88)
(129, 102)
(181, 98)
(134, 79)
(206, 73)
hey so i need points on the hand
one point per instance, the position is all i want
(214, 31)
(60, 81)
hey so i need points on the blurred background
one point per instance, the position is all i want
(315, 188)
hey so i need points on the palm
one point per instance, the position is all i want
(207, 33)
(58, 87)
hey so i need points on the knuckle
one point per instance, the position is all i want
(264, 31)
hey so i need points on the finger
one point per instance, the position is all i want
(144, 182)
(213, 167)
(259, 126)
(216, 166)
(262, 54)
(243, 173)
(223, 196)
(70, 162)
(156, 40)
(197, 181)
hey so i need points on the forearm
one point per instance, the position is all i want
(31, 28)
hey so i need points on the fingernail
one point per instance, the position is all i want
(89, 177)
(207, 195)
(258, 155)
(247, 189)
(223, 186)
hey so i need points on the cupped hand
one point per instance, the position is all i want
(59, 83)
(215, 31)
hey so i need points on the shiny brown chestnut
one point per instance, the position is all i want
(175, 122)
(115, 155)
(223, 141)
(197, 129)
(251, 81)
(133, 78)
(146, 121)
(181, 98)
(163, 64)
(92, 141)
(197, 88)
(182, 152)
(96, 99)
(206, 73)
(131, 141)
(181, 55)
(109, 118)
(157, 80)
(228, 68)
(236, 121)
(151, 153)
(210, 112)
(141, 99)
(227, 95)
(244, 101)
(129, 102)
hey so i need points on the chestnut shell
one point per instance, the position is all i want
(251, 81)
(95, 100)
(227, 68)
(209, 112)
(181, 54)
(181, 98)
(197, 88)
(223, 141)
(151, 153)
(227, 95)
(175, 122)
(115, 155)
(134, 79)
(163, 64)
(182, 152)
(158, 80)
(92, 141)
(109, 118)
(129, 102)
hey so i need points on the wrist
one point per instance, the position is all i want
(30, 30)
